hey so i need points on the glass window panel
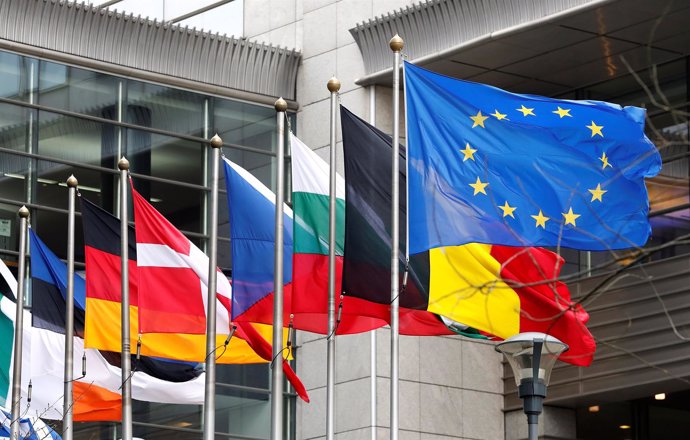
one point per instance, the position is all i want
(13, 172)
(76, 139)
(14, 126)
(242, 413)
(52, 75)
(177, 416)
(90, 430)
(165, 108)
(10, 75)
(51, 227)
(180, 205)
(605, 424)
(78, 90)
(245, 124)
(15, 76)
(160, 433)
(51, 189)
(9, 231)
(164, 156)
(249, 375)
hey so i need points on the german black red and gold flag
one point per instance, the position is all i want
(102, 321)
(97, 383)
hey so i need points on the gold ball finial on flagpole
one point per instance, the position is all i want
(280, 105)
(23, 212)
(333, 85)
(216, 141)
(123, 164)
(72, 181)
(396, 43)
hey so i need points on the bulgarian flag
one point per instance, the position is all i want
(310, 202)
(252, 226)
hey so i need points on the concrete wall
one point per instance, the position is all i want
(554, 424)
(450, 387)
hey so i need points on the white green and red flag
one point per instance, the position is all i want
(310, 201)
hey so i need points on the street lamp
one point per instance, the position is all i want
(532, 356)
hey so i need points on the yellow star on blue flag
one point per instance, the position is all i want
(572, 171)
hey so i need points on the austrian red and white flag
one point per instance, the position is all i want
(173, 286)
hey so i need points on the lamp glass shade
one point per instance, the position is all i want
(519, 351)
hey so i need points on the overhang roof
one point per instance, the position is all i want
(134, 46)
(550, 47)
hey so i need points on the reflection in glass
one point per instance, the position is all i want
(51, 189)
(251, 375)
(14, 126)
(164, 108)
(164, 156)
(175, 416)
(180, 205)
(52, 228)
(69, 138)
(78, 90)
(245, 124)
(16, 74)
(244, 416)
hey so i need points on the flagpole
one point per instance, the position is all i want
(277, 372)
(372, 334)
(19, 327)
(396, 45)
(210, 384)
(123, 166)
(68, 409)
(407, 184)
(333, 87)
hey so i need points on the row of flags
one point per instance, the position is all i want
(97, 387)
(488, 175)
(483, 290)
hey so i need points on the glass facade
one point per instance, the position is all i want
(57, 120)
(665, 416)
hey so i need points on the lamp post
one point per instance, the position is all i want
(532, 357)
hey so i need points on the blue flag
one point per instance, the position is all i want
(489, 166)
(29, 428)
(252, 208)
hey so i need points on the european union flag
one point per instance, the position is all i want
(489, 166)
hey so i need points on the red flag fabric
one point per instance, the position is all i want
(173, 280)
(545, 306)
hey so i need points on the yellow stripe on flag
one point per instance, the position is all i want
(465, 286)
(102, 331)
